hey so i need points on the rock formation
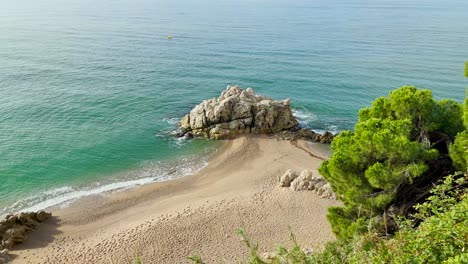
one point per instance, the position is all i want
(287, 178)
(237, 111)
(306, 181)
(302, 133)
(14, 228)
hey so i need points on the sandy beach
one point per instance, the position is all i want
(198, 214)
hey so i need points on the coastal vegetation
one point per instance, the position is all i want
(398, 148)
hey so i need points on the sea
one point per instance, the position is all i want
(91, 89)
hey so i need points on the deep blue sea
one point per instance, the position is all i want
(89, 89)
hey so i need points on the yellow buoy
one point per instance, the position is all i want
(169, 37)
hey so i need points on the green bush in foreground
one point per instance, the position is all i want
(465, 109)
(442, 236)
(392, 145)
(459, 149)
(466, 69)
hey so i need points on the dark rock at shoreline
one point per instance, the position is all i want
(306, 134)
(14, 230)
(235, 112)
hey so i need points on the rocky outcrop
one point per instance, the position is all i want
(235, 112)
(306, 181)
(306, 134)
(14, 229)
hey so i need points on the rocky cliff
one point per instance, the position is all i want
(235, 112)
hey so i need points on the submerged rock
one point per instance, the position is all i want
(235, 112)
(14, 229)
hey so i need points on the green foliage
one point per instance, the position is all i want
(390, 146)
(196, 259)
(293, 255)
(368, 165)
(417, 106)
(254, 258)
(466, 69)
(138, 261)
(442, 236)
(459, 151)
(449, 117)
(465, 110)
(346, 222)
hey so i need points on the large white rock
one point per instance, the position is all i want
(306, 181)
(286, 179)
(238, 111)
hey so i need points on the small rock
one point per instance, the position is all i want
(286, 179)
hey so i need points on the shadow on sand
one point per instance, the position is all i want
(41, 237)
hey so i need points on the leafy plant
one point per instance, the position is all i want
(138, 261)
(196, 259)
(459, 149)
(466, 69)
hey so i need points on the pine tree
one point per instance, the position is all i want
(393, 144)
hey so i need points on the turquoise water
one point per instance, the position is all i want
(89, 89)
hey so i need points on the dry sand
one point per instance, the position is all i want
(199, 214)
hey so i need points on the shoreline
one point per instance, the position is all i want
(61, 197)
(164, 222)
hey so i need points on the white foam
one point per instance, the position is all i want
(304, 117)
(178, 142)
(171, 121)
(64, 196)
(332, 128)
(58, 190)
(83, 193)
